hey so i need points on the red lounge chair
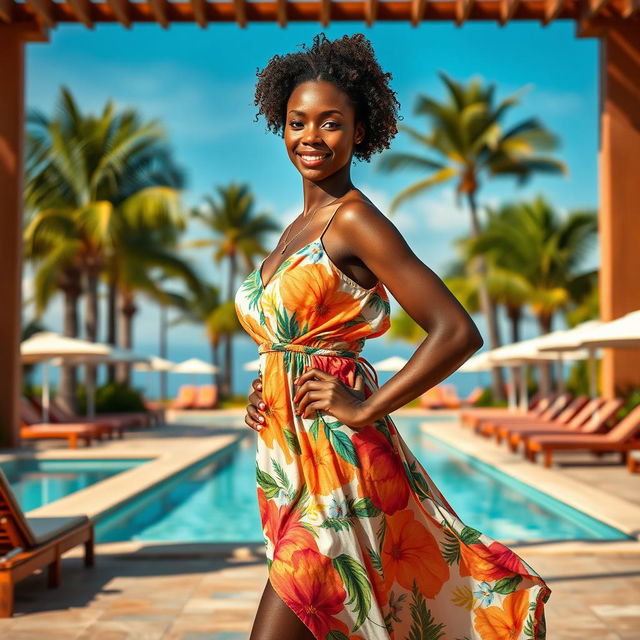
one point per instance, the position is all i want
(186, 397)
(31, 543)
(473, 397)
(57, 416)
(207, 397)
(501, 426)
(621, 438)
(633, 463)
(538, 404)
(486, 426)
(592, 419)
(450, 396)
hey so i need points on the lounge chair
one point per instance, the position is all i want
(621, 438)
(538, 404)
(186, 397)
(31, 543)
(119, 420)
(33, 429)
(58, 416)
(157, 411)
(473, 397)
(592, 419)
(207, 397)
(633, 463)
(553, 417)
(486, 426)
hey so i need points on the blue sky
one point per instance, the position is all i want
(200, 84)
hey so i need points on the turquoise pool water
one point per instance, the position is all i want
(218, 502)
(39, 482)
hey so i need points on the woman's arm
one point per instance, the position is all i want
(453, 336)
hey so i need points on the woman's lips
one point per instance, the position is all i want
(312, 160)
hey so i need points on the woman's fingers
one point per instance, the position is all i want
(254, 418)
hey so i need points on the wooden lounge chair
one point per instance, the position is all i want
(500, 427)
(592, 419)
(120, 421)
(486, 426)
(538, 404)
(207, 397)
(633, 463)
(473, 397)
(57, 416)
(31, 543)
(157, 411)
(186, 397)
(622, 438)
(33, 429)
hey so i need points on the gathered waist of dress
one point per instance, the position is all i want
(318, 351)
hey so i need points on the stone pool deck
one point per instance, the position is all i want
(211, 591)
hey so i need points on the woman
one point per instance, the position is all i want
(360, 543)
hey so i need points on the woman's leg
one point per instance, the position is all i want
(274, 620)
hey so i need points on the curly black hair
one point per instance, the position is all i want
(350, 64)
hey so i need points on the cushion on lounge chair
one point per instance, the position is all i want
(45, 529)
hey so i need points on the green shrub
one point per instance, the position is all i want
(113, 397)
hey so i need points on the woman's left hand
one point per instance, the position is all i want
(318, 389)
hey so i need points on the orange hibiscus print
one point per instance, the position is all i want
(410, 552)
(307, 291)
(278, 414)
(383, 476)
(492, 562)
(311, 586)
(503, 622)
(323, 469)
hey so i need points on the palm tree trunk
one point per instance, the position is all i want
(164, 334)
(486, 304)
(545, 369)
(128, 310)
(72, 290)
(515, 315)
(112, 314)
(91, 321)
(227, 384)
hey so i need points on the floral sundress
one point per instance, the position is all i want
(359, 541)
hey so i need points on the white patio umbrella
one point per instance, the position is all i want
(479, 362)
(570, 339)
(155, 364)
(194, 366)
(252, 365)
(623, 332)
(393, 363)
(46, 346)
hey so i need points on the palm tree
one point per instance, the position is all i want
(237, 235)
(144, 260)
(538, 254)
(470, 143)
(88, 175)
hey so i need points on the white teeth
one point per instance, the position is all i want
(311, 158)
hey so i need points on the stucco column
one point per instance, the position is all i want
(619, 216)
(11, 188)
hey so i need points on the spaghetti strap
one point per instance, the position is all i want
(329, 221)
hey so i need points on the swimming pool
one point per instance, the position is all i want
(37, 482)
(217, 502)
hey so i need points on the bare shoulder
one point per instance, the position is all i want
(359, 220)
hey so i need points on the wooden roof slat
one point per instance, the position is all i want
(593, 7)
(325, 12)
(240, 9)
(553, 8)
(160, 11)
(463, 9)
(507, 10)
(200, 12)
(417, 11)
(44, 10)
(281, 13)
(82, 9)
(6, 10)
(121, 9)
(370, 12)
(631, 7)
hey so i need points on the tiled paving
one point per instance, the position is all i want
(211, 592)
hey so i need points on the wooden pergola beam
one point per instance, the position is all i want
(240, 9)
(630, 8)
(325, 12)
(82, 9)
(553, 9)
(284, 12)
(6, 10)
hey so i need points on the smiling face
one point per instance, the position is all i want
(320, 129)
